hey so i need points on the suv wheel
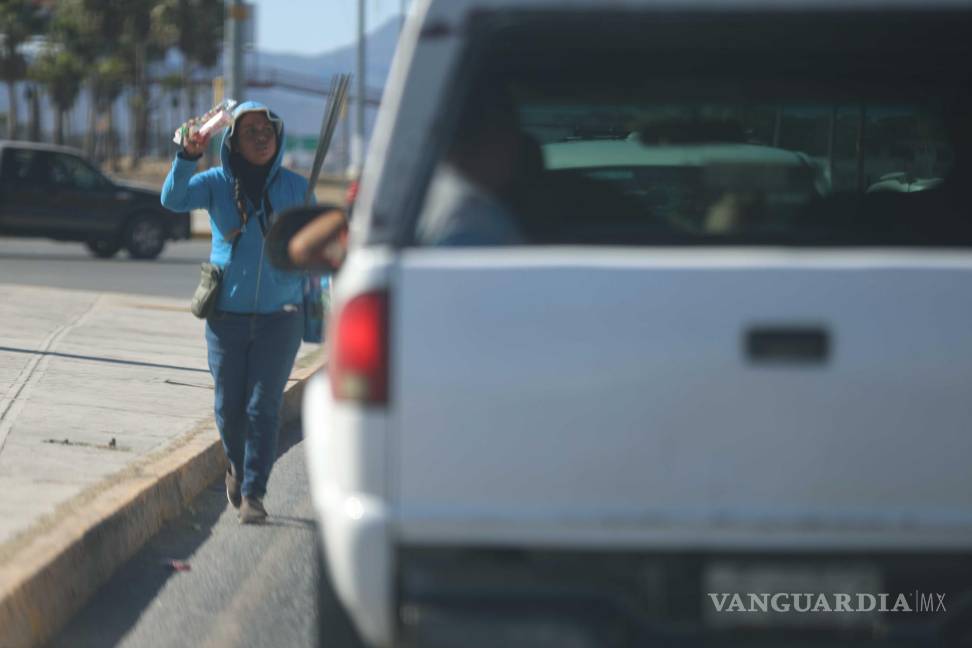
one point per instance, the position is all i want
(145, 237)
(334, 627)
(103, 248)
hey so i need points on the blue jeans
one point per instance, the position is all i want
(250, 358)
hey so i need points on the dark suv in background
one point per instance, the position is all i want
(53, 192)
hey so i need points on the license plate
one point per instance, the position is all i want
(762, 595)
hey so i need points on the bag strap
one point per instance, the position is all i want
(263, 220)
(266, 214)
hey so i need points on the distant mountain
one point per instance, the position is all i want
(303, 112)
(381, 43)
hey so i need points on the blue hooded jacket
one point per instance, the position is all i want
(250, 284)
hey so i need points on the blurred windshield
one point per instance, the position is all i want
(629, 138)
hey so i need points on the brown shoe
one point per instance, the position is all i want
(233, 494)
(252, 511)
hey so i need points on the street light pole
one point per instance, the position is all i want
(358, 141)
(236, 13)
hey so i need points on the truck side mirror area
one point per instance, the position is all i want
(309, 238)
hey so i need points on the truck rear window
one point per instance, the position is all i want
(787, 129)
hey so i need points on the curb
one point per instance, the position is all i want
(48, 581)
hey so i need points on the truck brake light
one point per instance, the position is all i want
(359, 358)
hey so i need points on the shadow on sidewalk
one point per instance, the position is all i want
(74, 356)
(306, 524)
(131, 589)
(115, 610)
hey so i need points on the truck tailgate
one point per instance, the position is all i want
(705, 397)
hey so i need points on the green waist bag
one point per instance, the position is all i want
(204, 299)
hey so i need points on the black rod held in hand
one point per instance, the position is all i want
(332, 113)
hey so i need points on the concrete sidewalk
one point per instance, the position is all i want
(99, 393)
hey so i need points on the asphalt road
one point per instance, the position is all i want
(248, 586)
(38, 262)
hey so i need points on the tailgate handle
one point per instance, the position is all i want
(802, 345)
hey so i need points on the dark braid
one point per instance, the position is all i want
(240, 202)
(237, 186)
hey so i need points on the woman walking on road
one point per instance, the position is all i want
(256, 327)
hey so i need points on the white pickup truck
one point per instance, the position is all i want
(583, 394)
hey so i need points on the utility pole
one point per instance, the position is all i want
(234, 72)
(358, 141)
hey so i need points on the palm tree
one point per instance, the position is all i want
(172, 86)
(114, 40)
(77, 29)
(111, 72)
(19, 19)
(113, 37)
(61, 73)
(196, 28)
(137, 43)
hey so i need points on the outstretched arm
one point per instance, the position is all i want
(323, 241)
(184, 189)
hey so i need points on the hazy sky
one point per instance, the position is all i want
(315, 26)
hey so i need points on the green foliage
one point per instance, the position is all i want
(75, 29)
(62, 74)
(94, 30)
(107, 44)
(194, 26)
(19, 20)
(172, 82)
(110, 76)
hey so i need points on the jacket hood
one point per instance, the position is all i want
(239, 111)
